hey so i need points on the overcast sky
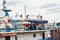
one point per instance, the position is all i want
(49, 9)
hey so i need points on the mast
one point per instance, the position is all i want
(25, 11)
(4, 8)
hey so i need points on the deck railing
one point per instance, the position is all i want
(9, 29)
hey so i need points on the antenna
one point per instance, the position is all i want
(4, 2)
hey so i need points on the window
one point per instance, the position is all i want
(34, 35)
(7, 38)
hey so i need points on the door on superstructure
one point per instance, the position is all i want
(7, 38)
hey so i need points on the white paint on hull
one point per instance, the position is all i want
(29, 36)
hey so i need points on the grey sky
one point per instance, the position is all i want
(50, 9)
